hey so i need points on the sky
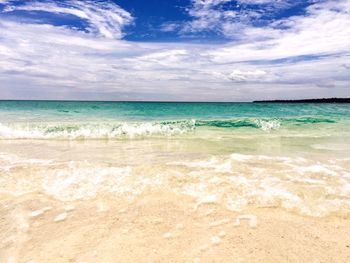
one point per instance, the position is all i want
(174, 50)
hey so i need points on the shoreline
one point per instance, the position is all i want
(230, 191)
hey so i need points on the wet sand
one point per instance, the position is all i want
(178, 199)
(162, 227)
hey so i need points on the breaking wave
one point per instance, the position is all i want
(265, 125)
(93, 130)
(104, 130)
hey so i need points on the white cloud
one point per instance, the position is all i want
(323, 31)
(169, 26)
(238, 75)
(275, 3)
(209, 15)
(309, 57)
(105, 18)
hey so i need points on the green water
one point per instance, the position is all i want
(115, 120)
(292, 156)
(141, 111)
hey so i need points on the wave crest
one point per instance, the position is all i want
(94, 130)
(104, 130)
(242, 123)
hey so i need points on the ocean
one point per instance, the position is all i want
(293, 157)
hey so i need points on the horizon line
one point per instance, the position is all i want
(170, 101)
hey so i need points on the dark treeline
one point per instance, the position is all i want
(328, 100)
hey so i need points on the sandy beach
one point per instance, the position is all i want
(159, 227)
(226, 190)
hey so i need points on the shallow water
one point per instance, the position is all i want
(291, 156)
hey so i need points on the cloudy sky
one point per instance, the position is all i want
(182, 50)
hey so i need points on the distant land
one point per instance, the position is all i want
(324, 100)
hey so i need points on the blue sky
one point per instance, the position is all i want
(184, 50)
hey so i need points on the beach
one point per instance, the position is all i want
(159, 227)
(174, 182)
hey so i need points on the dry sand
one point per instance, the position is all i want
(162, 227)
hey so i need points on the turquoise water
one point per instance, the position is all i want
(56, 119)
(57, 110)
(290, 156)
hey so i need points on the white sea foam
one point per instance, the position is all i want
(305, 186)
(81, 181)
(9, 161)
(109, 130)
(234, 181)
(93, 130)
(317, 168)
(214, 163)
(267, 125)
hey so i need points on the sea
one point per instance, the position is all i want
(289, 156)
